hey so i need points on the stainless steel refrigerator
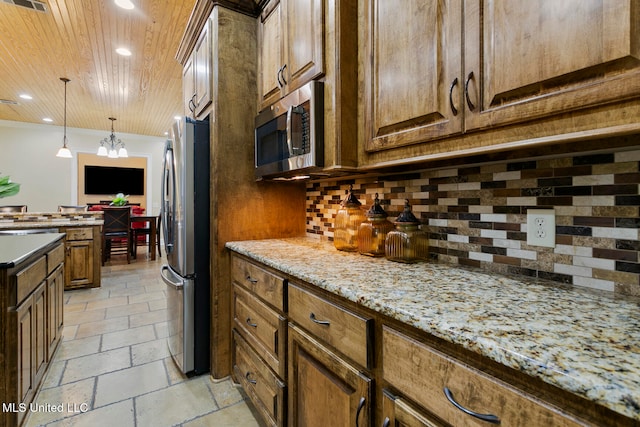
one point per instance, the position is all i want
(185, 222)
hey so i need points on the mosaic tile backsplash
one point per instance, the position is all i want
(477, 215)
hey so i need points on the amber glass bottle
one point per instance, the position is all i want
(348, 220)
(373, 231)
(407, 243)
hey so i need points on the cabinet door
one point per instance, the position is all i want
(304, 58)
(202, 70)
(526, 60)
(55, 295)
(270, 59)
(325, 389)
(40, 347)
(398, 413)
(79, 262)
(26, 365)
(188, 88)
(413, 84)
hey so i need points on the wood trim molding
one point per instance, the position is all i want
(199, 15)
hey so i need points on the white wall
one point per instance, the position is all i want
(28, 155)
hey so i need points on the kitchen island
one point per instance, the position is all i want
(31, 304)
(83, 241)
(583, 342)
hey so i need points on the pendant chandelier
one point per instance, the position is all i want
(109, 146)
(64, 151)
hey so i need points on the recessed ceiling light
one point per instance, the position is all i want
(125, 4)
(177, 117)
(25, 96)
(47, 119)
(123, 51)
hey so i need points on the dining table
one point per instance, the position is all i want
(152, 220)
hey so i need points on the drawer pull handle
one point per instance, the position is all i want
(484, 417)
(360, 407)
(312, 316)
(254, 382)
(252, 280)
(253, 325)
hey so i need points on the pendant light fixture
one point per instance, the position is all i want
(64, 151)
(109, 145)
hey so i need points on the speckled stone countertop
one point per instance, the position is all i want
(579, 340)
(29, 220)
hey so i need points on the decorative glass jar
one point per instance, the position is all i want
(373, 232)
(407, 243)
(348, 219)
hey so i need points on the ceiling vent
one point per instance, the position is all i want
(29, 4)
(8, 102)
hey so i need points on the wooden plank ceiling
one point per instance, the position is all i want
(77, 39)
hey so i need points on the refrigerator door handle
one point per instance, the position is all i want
(167, 280)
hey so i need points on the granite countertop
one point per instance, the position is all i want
(586, 342)
(29, 220)
(15, 249)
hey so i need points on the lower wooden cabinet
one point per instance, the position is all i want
(82, 256)
(396, 412)
(55, 303)
(265, 389)
(455, 392)
(24, 320)
(347, 365)
(32, 322)
(324, 389)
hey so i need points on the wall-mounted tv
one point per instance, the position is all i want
(107, 180)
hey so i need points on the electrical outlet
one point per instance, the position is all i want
(541, 227)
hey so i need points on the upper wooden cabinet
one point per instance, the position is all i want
(413, 80)
(525, 60)
(435, 69)
(291, 47)
(196, 75)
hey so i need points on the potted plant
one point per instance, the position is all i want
(119, 200)
(8, 188)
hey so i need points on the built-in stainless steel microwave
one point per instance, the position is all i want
(289, 135)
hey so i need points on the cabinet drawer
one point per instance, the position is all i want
(266, 390)
(80, 233)
(260, 282)
(55, 257)
(29, 278)
(348, 332)
(422, 374)
(262, 327)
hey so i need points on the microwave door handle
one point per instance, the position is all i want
(289, 131)
(290, 112)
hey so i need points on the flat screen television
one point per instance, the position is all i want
(107, 180)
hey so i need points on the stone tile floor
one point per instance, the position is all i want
(113, 367)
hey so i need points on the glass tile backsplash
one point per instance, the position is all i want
(477, 215)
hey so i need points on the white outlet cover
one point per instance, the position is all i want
(541, 227)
